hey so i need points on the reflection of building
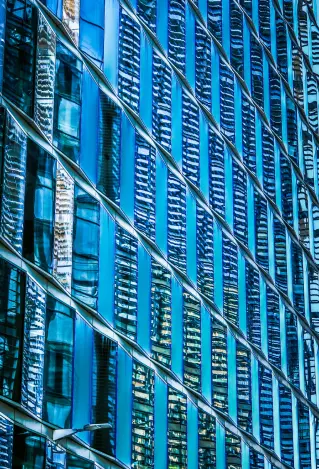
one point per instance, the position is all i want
(159, 235)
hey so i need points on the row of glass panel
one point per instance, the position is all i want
(121, 152)
(64, 91)
(46, 367)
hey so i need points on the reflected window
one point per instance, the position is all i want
(12, 295)
(253, 304)
(285, 420)
(176, 34)
(215, 24)
(203, 72)
(39, 207)
(192, 342)
(146, 10)
(67, 102)
(74, 462)
(176, 223)
(244, 405)
(190, 131)
(161, 310)
(126, 282)
(19, 54)
(240, 203)
(266, 406)
(108, 172)
(104, 393)
(143, 416)
(233, 451)
(86, 232)
(28, 449)
(6, 442)
(216, 173)
(177, 429)
(205, 252)
(219, 367)
(58, 364)
(206, 440)
(230, 279)
(273, 323)
(292, 346)
(304, 436)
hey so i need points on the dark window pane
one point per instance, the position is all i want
(126, 283)
(58, 368)
(176, 214)
(143, 416)
(39, 207)
(206, 441)
(219, 367)
(205, 252)
(104, 393)
(244, 409)
(192, 342)
(161, 322)
(28, 450)
(177, 430)
(85, 270)
(233, 451)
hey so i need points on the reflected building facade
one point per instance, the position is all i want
(159, 233)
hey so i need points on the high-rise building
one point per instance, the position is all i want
(159, 234)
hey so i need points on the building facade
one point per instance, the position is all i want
(159, 233)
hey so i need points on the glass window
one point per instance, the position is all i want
(216, 173)
(129, 60)
(161, 322)
(308, 154)
(192, 342)
(240, 203)
(19, 54)
(249, 133)
(230, 279)
(161, 102)
(177, 429)
(143, 416)
(63, 227)
(244, 406)
(55, 456)
(28, 449)
(285, 421)
(292, 130)
(303, 214)
(312, 94)
(310, 366)
(227, 102)
(86, 229)
(304, 436)
(58, 363)
(219, 367)
(273, 323)
(206, 440)
(33, 348)
(190, 129)
(275, 100)
(292, 347)
(71, 17)
(266, 406)
(108, 172)
(205, 252)
(268, 154)
(104, 393)
(45, 77)
(253, 305)
(176, 213)
(297, 277)
(126, 283)
(39, 207)
(261, 230)
(203, 66)
(236, 38)
(6, 442)
(146, 10)
(67, 102)
(313, 289)
(281, 42)
(264, 21)
(233, 451)
(12, 295)
(280, 254)
(144, 207)
(297, 66)
(257, 79)
(176, 33)
(215, 23)
(13, 188)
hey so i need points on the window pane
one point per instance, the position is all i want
(219, 367)
(85, 271)
(177, 429)
(58, 372)
(206, 441)
(143, 416)
(192, 342)
(39, 207)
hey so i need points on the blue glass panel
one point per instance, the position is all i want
(146, 81)
(144, 299)
(111, 28)
(127, 167)
(83, 360)
(92, 30)
(192, 436)
(160, 423)
(6, 442)
(89, 126)
(177, 328)
(106, 266)
(124, 408)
